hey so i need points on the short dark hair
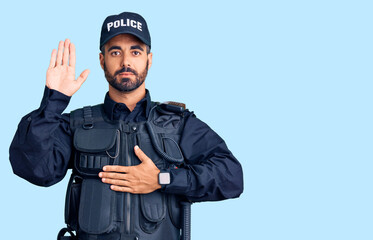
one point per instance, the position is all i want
(103, 49)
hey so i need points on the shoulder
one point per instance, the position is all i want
(168, 116)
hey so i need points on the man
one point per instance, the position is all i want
(135, 162)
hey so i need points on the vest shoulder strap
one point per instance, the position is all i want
(86, 117)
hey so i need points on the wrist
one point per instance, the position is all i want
(54, 101)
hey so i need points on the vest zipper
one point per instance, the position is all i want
(128, 195)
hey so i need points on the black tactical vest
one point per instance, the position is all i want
(95, 211)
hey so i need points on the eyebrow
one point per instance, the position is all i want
(132, 47)
(137, 47)
(114, 47)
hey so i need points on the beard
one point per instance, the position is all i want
(126, 84)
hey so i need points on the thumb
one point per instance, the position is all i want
(83, 76)
(141, 155)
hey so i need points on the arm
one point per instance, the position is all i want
(41, 148)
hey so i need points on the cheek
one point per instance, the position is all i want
(111, 65)
(142, 63)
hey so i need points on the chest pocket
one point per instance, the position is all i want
(95, 149)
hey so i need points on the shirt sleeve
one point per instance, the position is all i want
(211, 171)
(41, 148)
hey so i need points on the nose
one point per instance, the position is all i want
(126, 61)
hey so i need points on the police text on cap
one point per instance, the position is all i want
(121, 23)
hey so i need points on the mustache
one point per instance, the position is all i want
(126, 69)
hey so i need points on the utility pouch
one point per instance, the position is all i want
(95, 148)
(97, 207)
(153, 211)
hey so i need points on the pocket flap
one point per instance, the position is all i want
(153, 206)
(95, 140)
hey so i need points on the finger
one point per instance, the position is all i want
(72, 55)
(115, 168)
(112, 175)
(82, 77)
(52, 62)
(121, 189)
(66, 51)
(59, 53)
(117, 182)
(141, 155)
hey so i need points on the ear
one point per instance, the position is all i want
(102, 60)
(150, 59)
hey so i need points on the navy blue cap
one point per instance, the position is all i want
(126, 22)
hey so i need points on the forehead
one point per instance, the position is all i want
(124, 40)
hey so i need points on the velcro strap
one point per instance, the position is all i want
(88, 118)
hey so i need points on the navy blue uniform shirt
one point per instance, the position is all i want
(42, 146)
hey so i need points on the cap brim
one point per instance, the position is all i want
(125, 32)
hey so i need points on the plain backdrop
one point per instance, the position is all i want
(287, 84)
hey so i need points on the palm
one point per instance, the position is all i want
(61, 71)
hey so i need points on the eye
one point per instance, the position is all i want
(115, 53)
(136, 53)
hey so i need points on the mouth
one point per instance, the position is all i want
(125, 74)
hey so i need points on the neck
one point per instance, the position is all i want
(128, 98)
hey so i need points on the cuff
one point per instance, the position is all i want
(54, 101)
(179, 182)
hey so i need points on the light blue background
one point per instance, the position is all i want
(287, 84)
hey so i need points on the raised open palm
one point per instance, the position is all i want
(61, 70)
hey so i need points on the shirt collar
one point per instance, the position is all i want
(110, 105)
